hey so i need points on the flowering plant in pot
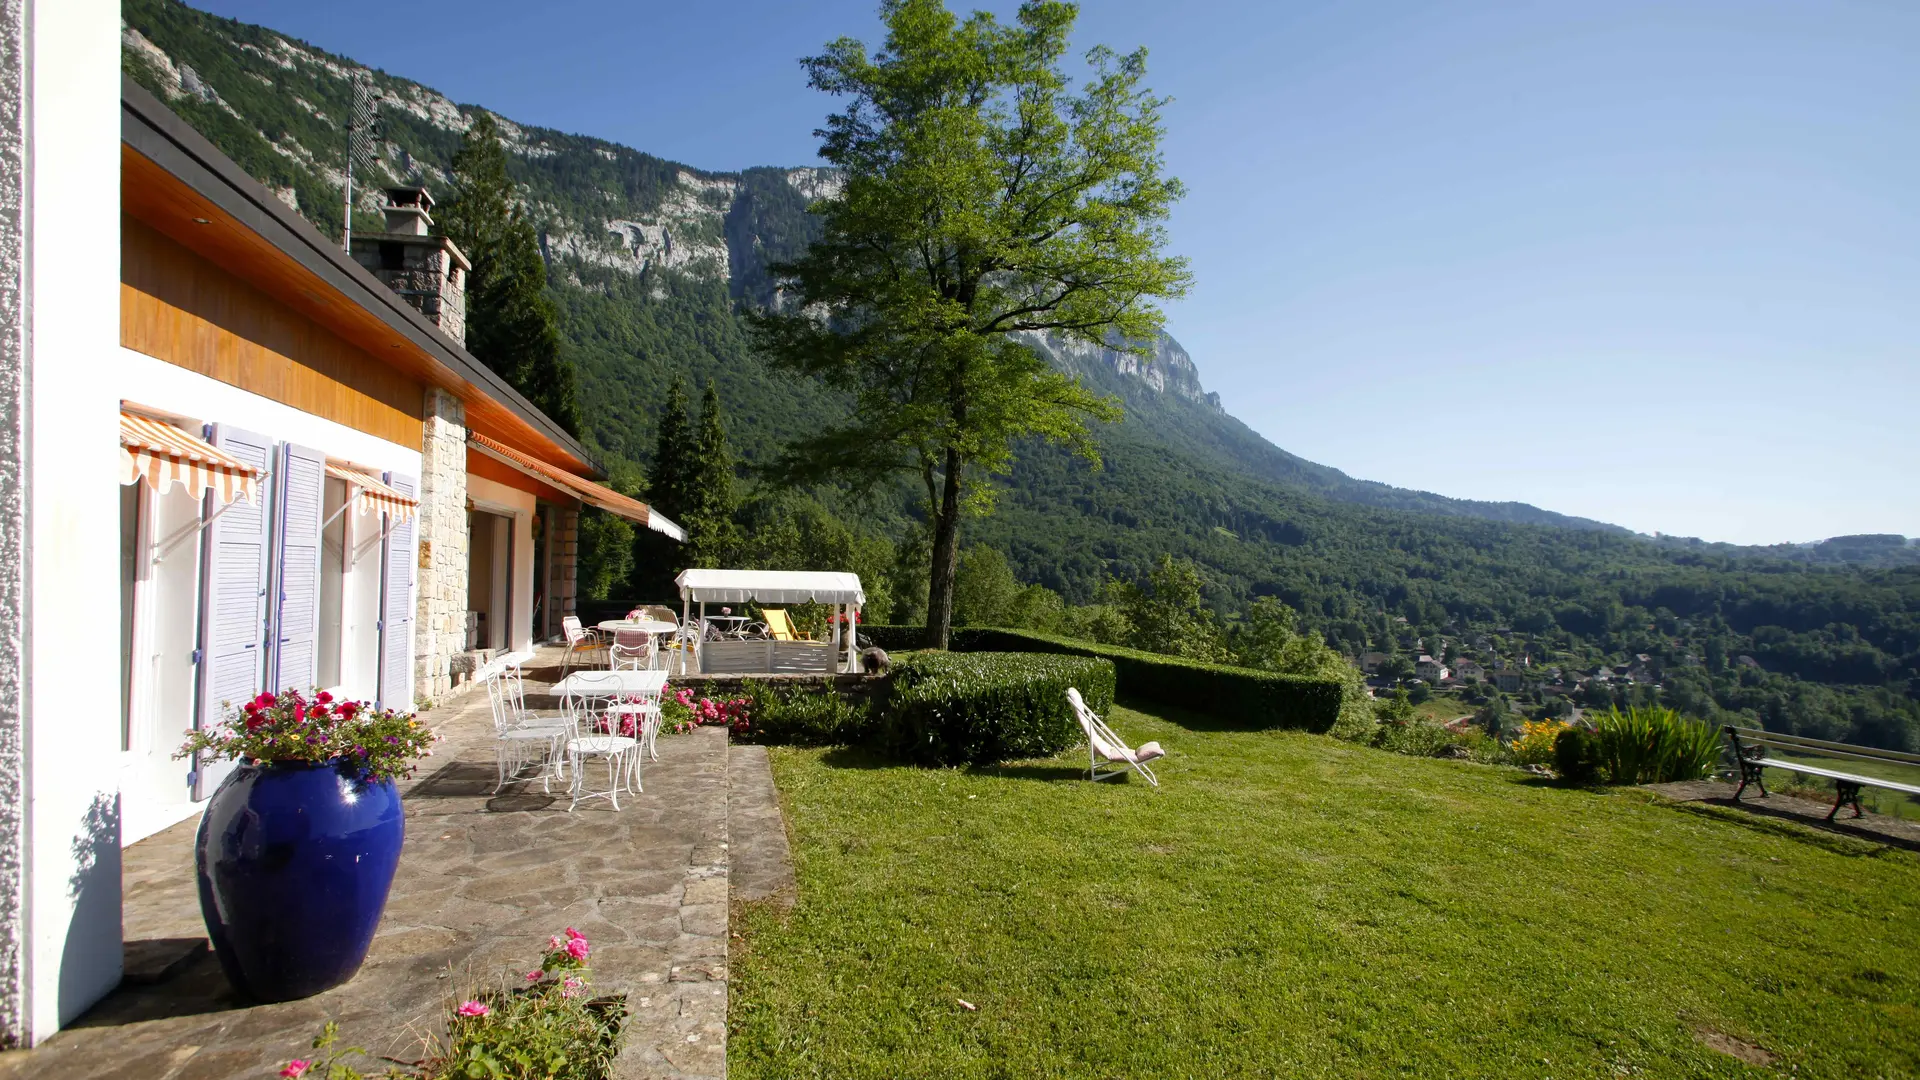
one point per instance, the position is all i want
(298, 846)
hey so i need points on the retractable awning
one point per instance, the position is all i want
(163, 456)
(373, 494)
(589, 492)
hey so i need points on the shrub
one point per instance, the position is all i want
(1243, 697)
(804, 715)
(1653, 745)
(1576, 756)
(1421, 738)
(980, 708)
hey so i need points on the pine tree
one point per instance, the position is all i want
(712, 537)
(512, 326)
(671, 487)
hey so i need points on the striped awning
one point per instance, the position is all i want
(373, 494)
(588, 492)
(163, 456)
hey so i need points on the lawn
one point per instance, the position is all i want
(1289, 905)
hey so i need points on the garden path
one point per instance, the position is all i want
(483, 880)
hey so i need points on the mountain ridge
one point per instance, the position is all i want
(652, 217)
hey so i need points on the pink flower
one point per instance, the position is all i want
(296, 1068)
(571, 986)
(553, 943)
(536, 975)
(264, 701)
(473, 1008)
(577, 948)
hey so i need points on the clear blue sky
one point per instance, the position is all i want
(1651, 262)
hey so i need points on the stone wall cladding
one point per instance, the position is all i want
(13, 514)
(564, 588)
(440, 623)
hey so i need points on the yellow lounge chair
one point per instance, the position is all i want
(779, 627)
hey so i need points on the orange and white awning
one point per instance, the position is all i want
(586, 490)
(373, 494)
(163, 456)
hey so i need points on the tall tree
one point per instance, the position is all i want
(512, 326)
(983, 199)
(712, 538)
(670, 490)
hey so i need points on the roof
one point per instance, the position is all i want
(154, 132)
(770, 587)
(589, 492)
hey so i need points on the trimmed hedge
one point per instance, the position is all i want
(980, 708)
(1242, 697)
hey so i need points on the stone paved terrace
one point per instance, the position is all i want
(483, 880)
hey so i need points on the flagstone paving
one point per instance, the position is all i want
(483, 880)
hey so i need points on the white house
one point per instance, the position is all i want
(244, 454)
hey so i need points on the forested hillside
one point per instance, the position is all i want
(651, 260)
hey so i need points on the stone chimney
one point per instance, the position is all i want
(428, 270)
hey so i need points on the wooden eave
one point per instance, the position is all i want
(178, 183)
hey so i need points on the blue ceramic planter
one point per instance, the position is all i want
(294, 863)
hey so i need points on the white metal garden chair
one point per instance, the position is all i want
(579, 640)
(586, 742)
(632, 650)
(1103, 743)
(520, 738)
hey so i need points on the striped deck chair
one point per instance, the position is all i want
(1103, 743)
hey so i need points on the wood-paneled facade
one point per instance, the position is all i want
(178, 306)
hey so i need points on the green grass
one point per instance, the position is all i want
(1441, 708)
(1290, 905)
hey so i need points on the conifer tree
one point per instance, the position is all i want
(672, 474)
(512, 326)
(712, 536)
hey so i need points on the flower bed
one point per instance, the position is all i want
(546, 1026)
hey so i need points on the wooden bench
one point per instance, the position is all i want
(1755, 751)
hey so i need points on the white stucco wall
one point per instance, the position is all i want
(72, 914)
(516, 505)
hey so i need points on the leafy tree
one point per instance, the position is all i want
(1102, 624)
(983, 589)
(1036, 607)
(982, 199)
(786, 531)
(712, 537)
(606, 553)
(512, 326)
(1170, 615)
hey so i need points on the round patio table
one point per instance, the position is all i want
(645, 626)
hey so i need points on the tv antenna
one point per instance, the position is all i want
(363, 139)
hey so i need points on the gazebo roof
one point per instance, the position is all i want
(770, 587)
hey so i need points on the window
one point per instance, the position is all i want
(333, 561)
(393, 256)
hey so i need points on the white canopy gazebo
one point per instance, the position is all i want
(775, 587)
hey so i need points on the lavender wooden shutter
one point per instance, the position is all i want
(296, 622)
(233, 599)
(396, 607)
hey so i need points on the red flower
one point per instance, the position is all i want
(299, 712)
(323, 697)
(264, 701)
